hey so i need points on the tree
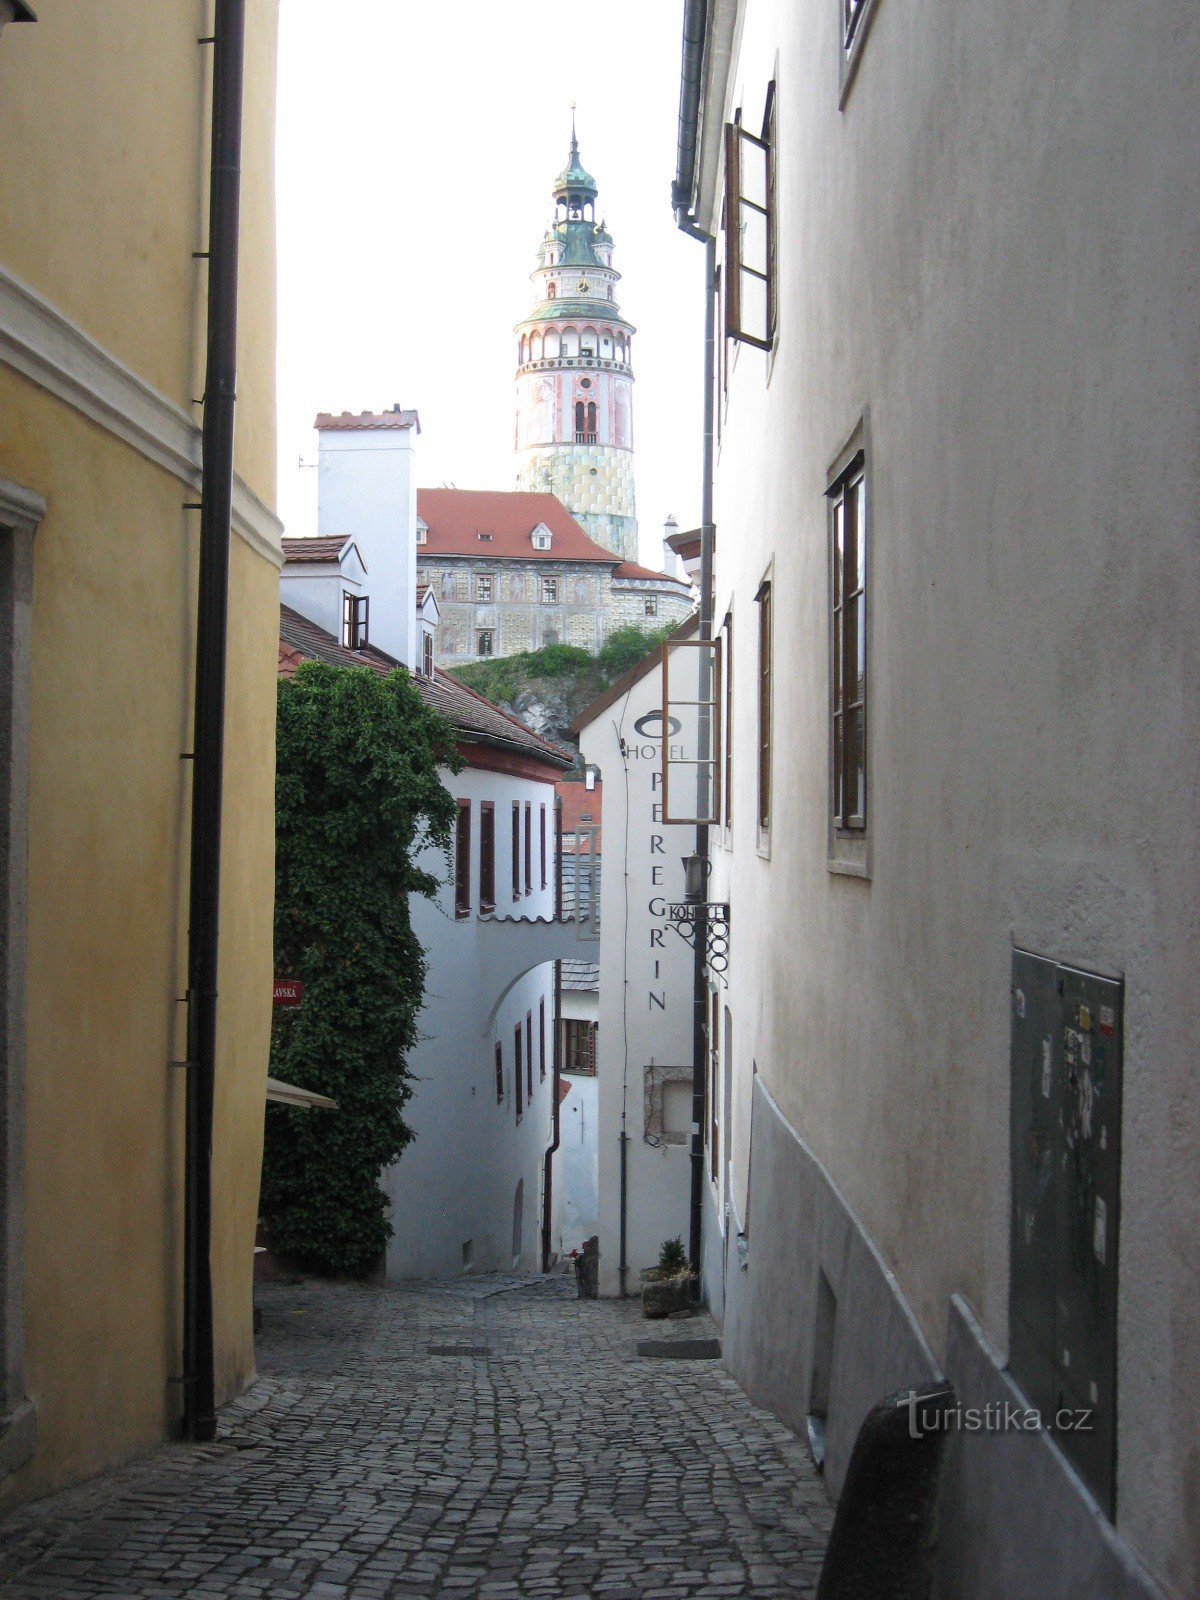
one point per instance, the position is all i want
(358, 798)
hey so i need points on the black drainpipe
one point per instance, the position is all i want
(199, 1420)
(548, 1168)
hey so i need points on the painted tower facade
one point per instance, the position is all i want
(574, 433)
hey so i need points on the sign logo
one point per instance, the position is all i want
(650, 726)
(288, 994)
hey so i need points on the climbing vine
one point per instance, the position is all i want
(358, 799)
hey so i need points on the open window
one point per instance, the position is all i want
(748, 278)
(691, 733)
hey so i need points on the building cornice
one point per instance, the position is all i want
(46, 347)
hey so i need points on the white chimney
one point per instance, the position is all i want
(367, 489)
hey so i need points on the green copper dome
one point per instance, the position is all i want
(573, 178)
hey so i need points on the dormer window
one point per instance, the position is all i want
(355, 608)
(484, 538)
(422, 531)
(541, 537)
(427, 654)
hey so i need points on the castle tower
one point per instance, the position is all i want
(574, 378)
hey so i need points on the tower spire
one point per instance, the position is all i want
(574, 140)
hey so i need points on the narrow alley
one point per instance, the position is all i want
(490, 1437)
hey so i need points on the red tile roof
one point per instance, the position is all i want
(474, 718)
(630, 569)
(456, 518)
(326, 548)
(349, 422)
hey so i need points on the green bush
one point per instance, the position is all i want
(672, 1257)
(357, 798)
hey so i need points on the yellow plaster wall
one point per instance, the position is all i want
(106, 143)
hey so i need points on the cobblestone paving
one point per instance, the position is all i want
(487, 1439)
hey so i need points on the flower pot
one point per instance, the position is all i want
(663, 1293)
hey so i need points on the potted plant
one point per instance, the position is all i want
(668, 1286)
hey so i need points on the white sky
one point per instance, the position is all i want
(417, 145)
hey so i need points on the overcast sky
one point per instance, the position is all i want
(417, 146)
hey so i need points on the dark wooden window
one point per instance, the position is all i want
(518, 1072)
(485, 587)
(542, 825)
(727, 783)
(579, 1047)
(529, 1054)
(651, 605)
(764, 706)
(355, 612)
(485, 641)
(748, 276)
(852, 13)
(542, 1038)
(528, 847)
(499, 1073)
(462, 860)
(848, 606)
(550, 591)
(487, 856)
(427, 654)
(516, 849)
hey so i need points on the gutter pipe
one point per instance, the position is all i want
(199, 1420)
(695, 27)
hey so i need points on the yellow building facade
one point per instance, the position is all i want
(102, 333)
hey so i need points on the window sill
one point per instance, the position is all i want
(849, 855)
(462, 913)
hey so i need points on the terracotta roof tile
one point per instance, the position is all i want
(456, 518)
(475, 718)
(351, 422)
(325, 548)
(630, 569)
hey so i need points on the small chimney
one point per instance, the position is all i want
(670, 559)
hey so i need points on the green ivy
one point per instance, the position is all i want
(357, 799)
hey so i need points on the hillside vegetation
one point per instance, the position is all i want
(545, 689)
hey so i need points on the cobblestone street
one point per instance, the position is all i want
(488, 1437)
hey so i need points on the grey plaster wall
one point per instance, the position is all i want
(988, 247)
(800, 1226)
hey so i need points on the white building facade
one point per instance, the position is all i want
(474, 1191)
(644, 1039)
(957, 585)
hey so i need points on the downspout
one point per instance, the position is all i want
(199, 1421)
(548, 1168)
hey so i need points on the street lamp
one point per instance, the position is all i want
(693, 878)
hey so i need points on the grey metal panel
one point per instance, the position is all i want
(1066, 1162)
(1034, 1003)
(1088, 1186)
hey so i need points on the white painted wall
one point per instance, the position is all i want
(577, 1177)
(579, 1210)
(456, 1181)
(648, 1021)
(367, 488)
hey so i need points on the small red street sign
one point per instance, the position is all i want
(289, 993)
